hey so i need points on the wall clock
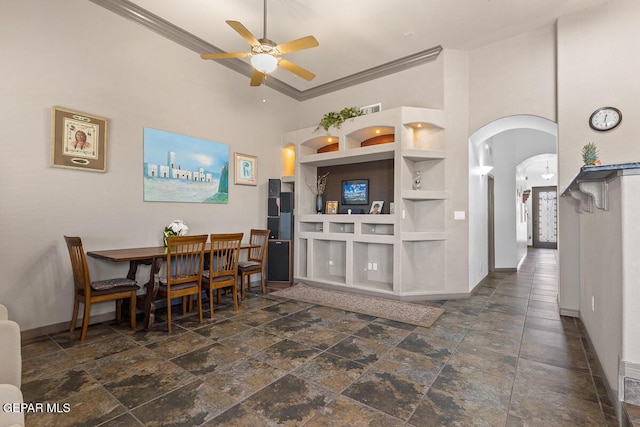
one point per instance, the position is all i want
(605, 118)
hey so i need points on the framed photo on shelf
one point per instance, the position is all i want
(331, 207)
(376, 207)
(78, 140)
(246, 169)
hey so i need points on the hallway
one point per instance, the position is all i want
(503, 357)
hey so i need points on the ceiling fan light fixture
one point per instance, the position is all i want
(264, 62)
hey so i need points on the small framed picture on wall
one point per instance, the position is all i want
(331, 207)
(78, 141)
(246, 169)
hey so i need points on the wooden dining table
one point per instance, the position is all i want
(154, 256)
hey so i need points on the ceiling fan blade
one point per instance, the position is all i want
(296, 69)
(256, 78)
(224, 55)
(298, 44)
(246, 34)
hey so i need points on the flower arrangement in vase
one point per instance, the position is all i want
(317, 188)
(177, 227)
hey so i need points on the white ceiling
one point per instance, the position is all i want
(355, 35)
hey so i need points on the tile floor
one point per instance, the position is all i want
(501, 358)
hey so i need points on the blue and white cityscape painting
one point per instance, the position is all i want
(179, 168)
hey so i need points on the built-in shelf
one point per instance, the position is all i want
(590, 186)
(400, 254)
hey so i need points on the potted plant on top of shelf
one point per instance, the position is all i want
(336, 119)
(590, 154)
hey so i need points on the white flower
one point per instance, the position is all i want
(178, 227)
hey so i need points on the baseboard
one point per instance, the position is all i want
(569, 312)
(56, 328)
(408, 297)
(505, 270)
(611, 393)
(630, 370)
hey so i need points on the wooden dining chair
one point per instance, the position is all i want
(185, 258)
(88, 292)
(255, 260)
(223, 267)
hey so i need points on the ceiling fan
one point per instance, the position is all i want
(265, 55)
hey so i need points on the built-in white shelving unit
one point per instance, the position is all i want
(397, 255)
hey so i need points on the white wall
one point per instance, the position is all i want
(77, 55)
(513, 76)
(510, 148)
(597, 67)
(511, 85)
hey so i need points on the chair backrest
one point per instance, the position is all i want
(81, 279)
(185, 257)
(224, 259)
(258, 237)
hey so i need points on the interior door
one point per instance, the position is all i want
(545, 217)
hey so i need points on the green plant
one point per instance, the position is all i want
(335, 119)
(590, 154)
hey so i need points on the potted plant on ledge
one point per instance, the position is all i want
(336, 119)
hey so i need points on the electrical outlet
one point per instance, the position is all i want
(369, 266)
(375, 266)
(330, 262)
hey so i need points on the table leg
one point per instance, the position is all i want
(152, 293)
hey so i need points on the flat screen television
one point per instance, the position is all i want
(355, 192)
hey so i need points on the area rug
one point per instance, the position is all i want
(400, 311)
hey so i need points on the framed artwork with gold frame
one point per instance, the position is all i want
(246, 169)
(331, 207)
(78, 140)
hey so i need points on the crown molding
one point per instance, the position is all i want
(153, 22)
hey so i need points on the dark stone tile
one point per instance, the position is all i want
(179, 345)
(241, 415)
(419, 368)
(284, 327)
(554, 379)
(46, 365)
(428, 344)
(538, 405)
(257, 317)
(555, 339)
(221, 330)
(251, 341)
(286, 354)
(391, 394)
(556, 356)
(243, 377)
(91, 407)
(59, 386)
(359, 350)
(290, 401)
(381, 333)
(190, 405)
(318, 336)
(206, 359)
(287, 308)
(440, 408)
(346, 412)
(331, 371)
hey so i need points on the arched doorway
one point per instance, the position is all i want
(499, 147)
